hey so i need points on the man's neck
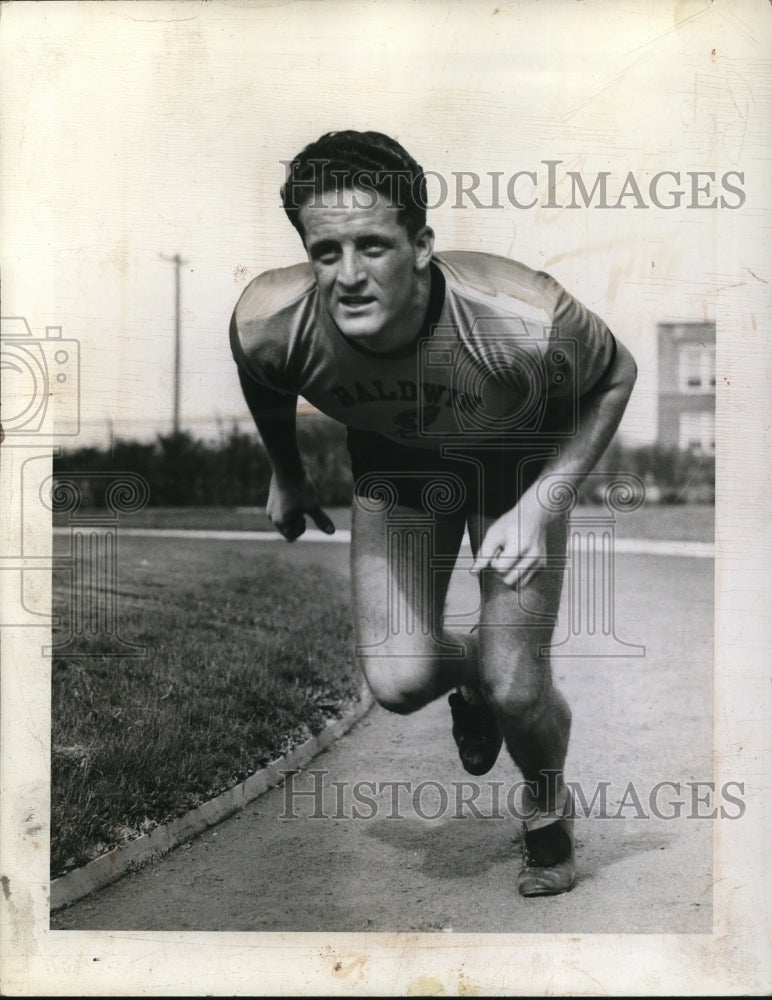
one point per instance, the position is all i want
(396, 341)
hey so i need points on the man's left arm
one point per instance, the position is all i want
(515, 544)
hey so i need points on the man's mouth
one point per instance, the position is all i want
(355, 301)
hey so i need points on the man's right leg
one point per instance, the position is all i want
(401, 563)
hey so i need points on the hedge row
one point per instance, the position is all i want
(234, 471)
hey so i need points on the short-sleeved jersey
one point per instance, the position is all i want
(505, 352)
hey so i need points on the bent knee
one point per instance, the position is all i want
(395, 689)
(519, 693)
(399, 702)
(517, 703)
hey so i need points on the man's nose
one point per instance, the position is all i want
(350, 268)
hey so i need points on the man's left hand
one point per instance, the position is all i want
(515, 545)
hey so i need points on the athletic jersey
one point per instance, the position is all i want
(505, 352)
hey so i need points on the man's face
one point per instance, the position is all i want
(371, 274)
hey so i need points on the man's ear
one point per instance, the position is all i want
(423, 245)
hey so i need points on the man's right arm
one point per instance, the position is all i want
(274, 413)
(291, 494)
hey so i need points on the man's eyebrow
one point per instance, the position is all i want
(316, 247)
(320, 246)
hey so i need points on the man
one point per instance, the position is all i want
(470, 386)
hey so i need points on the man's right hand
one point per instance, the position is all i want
(288, 502)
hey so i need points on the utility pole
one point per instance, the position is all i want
(177, 261)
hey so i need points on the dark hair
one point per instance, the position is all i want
(368, 160)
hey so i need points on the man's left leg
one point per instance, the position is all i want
(516, 681)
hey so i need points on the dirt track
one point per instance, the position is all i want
(644, 720)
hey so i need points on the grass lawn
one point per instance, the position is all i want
(244, 661)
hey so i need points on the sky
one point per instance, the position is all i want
(134, 131)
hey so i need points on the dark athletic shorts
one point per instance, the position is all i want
(488, 480)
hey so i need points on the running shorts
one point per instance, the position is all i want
(487, 480)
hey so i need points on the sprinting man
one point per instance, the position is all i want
(470, 385)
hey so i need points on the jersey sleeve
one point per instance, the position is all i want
(247, 363)
(263, 327)
(589, 340)
(565, 341)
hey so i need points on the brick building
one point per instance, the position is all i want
(687, 386)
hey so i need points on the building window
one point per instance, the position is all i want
(697, 368)
(697, 432)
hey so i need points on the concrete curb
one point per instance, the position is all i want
(624, 546)
(136, 853)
